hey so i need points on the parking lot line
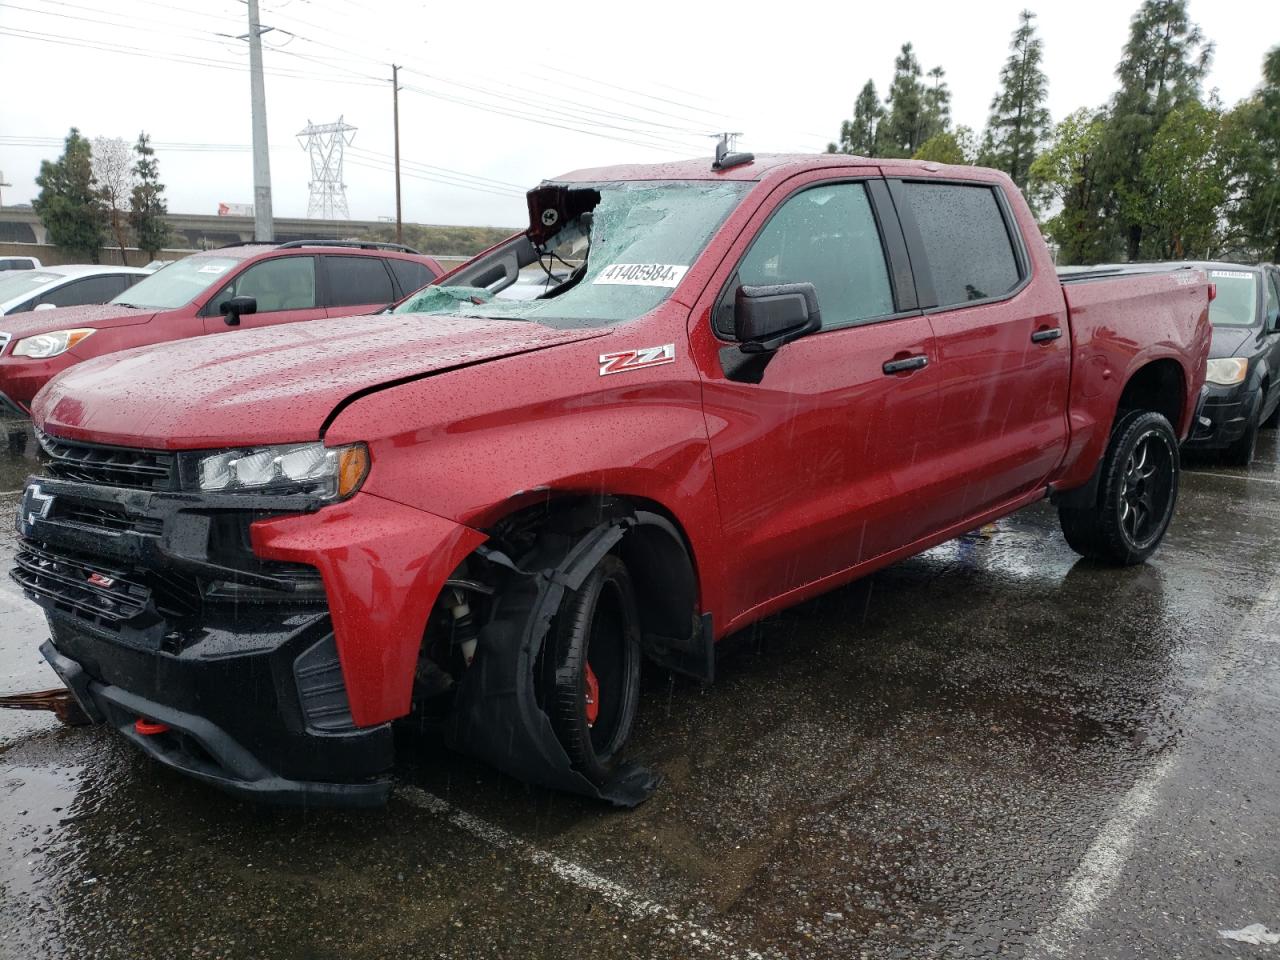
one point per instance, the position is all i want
(9, 493)
(616, 894)
(1232, 476)
(1100, 867)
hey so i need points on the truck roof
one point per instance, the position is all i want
(764, 166)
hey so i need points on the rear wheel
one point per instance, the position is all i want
(1137, 491)
(591, 669)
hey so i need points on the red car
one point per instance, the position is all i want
(262, 285)
(745, 383)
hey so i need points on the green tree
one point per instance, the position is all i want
(899, 134)
(1164, 62)
(1251, 133)
(147, 207)
(69, 204)
(1019, 120)
(935, 117)
(1183, 186)
(941, 148)
(1066, 173)
(858, 136)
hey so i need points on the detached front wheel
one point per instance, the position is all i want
(1137, 491)
(591, 669)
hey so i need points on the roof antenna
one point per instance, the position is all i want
(725, 158)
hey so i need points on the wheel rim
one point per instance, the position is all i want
(1146, 493)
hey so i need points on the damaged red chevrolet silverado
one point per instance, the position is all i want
(745, 383)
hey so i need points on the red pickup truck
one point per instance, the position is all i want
(744, 383)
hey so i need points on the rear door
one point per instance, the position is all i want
(355, 284)
(818, 466)
(284, 288)
(1004, 350)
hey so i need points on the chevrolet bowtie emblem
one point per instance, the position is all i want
(35, 503)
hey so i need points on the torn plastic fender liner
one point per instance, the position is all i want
(496, 716)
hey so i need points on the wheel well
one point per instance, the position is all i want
(1159, 386)
(656, 551)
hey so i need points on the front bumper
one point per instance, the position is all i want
(22, 377)
(1227, 410)
(276, 645)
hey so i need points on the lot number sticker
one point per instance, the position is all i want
(642, 274)
(1232, 274)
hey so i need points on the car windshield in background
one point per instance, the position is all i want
(644, 235)
(24, 281)
(1236, 304)
(177, 284)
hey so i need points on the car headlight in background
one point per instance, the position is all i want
(1228, 370)
(45, 345)
(330, 473)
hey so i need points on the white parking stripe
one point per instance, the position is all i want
(1232, 476)
(1100, 868)
(614, 893)
(9, 493)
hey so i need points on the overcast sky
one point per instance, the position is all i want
(500, 95)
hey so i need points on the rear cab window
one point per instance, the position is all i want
(967, 241)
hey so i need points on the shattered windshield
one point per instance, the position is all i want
(611, 264)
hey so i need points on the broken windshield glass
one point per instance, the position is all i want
(643, 238)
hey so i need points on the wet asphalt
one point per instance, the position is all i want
(993, 749)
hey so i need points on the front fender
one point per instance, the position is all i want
(383, 564)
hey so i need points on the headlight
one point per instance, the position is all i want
(330, 473)
(46, 345)
(1228, 370)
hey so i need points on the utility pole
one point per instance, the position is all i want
(395, 112)
(4, 183)
(263, 225)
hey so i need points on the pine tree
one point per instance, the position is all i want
(1164, 61)
(69, 204)
(935, 115)
(1019, 120)
(858, 136)
(146, 205)
(899, 134)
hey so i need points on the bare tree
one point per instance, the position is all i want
(113, 169)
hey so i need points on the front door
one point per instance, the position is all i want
(284, 288)
(818, 465)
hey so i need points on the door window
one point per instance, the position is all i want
(1273, 304)
(966, 241)
(410, 275)
(88, 290)
(826, 236)
(284, 283)
(358, 280)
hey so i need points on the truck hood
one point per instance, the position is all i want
(1234, 342)
(63, 318)
(270, 385)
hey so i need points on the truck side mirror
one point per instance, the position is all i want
(766, 318)
(232, 310)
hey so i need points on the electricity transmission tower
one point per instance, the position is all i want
(326, 142)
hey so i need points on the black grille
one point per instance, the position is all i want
(105, 518)
(112, 466)
(98, 592)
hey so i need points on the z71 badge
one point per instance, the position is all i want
(625, 360)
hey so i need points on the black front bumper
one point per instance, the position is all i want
(201, 749)
(158, 611)
(1227, 410)
(9, 409)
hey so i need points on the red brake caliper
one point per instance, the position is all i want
(593, 697)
